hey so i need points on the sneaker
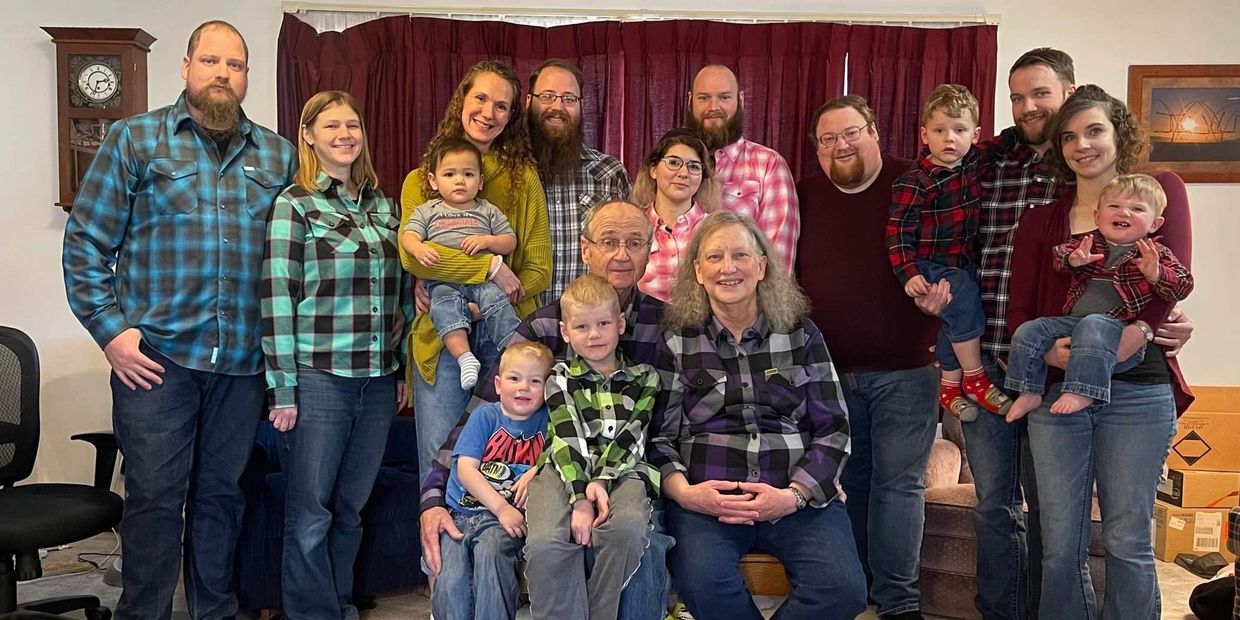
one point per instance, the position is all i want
(962, 408)
(679, 612)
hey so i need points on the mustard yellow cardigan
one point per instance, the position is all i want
(531, 261)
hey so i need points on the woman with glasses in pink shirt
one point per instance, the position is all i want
(677, 187)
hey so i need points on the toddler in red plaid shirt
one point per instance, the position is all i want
(1115, 274)
(931, 237)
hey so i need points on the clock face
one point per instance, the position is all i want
(97, 82)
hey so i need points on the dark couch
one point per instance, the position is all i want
(390, 556)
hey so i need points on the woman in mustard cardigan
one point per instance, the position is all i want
(486, 110)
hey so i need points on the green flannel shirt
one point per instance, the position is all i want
(333, 291)
(598, 424)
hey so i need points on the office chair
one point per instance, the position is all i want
(34, 516)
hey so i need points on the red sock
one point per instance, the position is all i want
(948, 391)
(978, 388)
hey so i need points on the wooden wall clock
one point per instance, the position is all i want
(100, 79)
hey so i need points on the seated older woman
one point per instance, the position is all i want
(754, 433)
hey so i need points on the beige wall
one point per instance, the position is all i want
(1104, 37)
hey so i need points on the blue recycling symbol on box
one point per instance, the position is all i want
(1191, 448)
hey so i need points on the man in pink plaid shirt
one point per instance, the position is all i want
(756, 180)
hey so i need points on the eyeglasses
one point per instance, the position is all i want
(850, 134)
(632, 246)
(549, 98)
(674, 163)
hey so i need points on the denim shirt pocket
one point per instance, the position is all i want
(173, 185)
(261, 188)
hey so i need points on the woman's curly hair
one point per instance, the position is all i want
(511, 146)
(1129, 138)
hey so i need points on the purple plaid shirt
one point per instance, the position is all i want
(766, 409)
(640, 342)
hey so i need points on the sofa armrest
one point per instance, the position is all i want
(943, 466)
(106, 450)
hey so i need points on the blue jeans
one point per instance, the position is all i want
(1121, 447)
(645, 596)
(1001, 463)
(814, 545)
(439, 406)
(334, 455)
(1095, 341)
(892, 416)
(450, 308)
(185, 442)
(479, 576)
(963, 319)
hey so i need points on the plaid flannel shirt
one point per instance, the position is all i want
(1019, 178)
(934, 214)
(333, 290)
(667, 248)
(1174, 280)
(166, 235)
(599, 178)
(757, 182)
(641, 341)
(766, 409)
(598, 423)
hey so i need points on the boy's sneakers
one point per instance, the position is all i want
(979, 389)
(952, 399)
(679, 612)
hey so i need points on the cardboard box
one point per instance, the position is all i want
(1206, 441)
(1189, 530)
(1200, 489)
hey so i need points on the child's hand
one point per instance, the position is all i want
(1082, 255)
(581, 523)
(475, 243)
(916, 286)
(1147, 262)
(597, 494)
(426, 255)
(513, 521)
(519, 493)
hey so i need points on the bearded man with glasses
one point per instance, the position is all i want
(575, 177)
(879, 342)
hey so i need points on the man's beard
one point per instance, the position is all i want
(847, 176)
(558, 153)
(219, 114)
(716, 138)
(1043, 134)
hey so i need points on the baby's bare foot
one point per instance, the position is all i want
(1071, 403)
(1023, 405)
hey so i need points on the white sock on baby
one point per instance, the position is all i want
(469, 369)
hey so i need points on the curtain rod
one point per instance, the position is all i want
(991, 19)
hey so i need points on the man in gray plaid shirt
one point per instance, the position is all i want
(574, 176)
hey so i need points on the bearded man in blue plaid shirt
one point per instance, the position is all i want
(162, 259)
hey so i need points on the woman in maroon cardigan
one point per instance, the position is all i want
(1119, 445)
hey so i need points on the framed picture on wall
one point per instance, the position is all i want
(1191, 115)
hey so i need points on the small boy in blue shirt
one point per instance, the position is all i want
(492, 464)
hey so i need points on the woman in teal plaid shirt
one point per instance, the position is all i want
(333, 294)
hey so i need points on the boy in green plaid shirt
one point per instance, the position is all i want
(591, 488)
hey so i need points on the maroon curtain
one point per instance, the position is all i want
(896, 68)
(638, 74)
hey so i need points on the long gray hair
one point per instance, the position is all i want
(779, 297)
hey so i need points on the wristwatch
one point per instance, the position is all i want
(801, 501)
(1145, 330)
